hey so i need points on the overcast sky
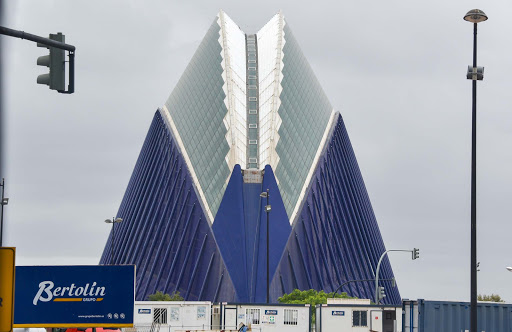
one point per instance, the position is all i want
(394, 69)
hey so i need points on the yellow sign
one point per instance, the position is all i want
(6, 288)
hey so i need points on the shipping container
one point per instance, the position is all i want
(450, 316)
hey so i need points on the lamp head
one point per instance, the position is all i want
(509, 268)
(475, 16)
(118, 220)
(108, 221)
(264, 194)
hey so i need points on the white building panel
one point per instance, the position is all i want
(270, 46)
(232, 40)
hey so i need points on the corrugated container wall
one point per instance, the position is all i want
(448, 316)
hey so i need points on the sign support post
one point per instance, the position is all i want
(7, 270)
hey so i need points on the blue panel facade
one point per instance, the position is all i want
(231, 242)
(335, 238)
(240, 231)
(164, 231)
(280, 229)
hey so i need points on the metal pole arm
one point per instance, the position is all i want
(350, 281)
(378, 268)
(51, 43)
(37, 39)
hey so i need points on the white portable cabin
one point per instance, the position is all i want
(173, 315)
(262, 317)
(357, 315)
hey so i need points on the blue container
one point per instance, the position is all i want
(448, 316)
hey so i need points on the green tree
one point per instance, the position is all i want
(160, 296)
(311, 297)
(490, 298)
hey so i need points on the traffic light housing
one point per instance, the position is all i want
(55, 61)
(415, 253)
(380, 294)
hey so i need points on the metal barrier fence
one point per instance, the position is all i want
(143, 328)
(234, 328)
(171, 328)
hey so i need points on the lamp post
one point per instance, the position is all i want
(3, 202)
(475, 73)
(113, 221)
(415, 255)
(267, 210)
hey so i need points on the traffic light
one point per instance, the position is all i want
(380, 294)
(415, 253)
(55, 61)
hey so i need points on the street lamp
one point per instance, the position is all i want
(267, 210)
(475, 73)
(113, 221)
(3, 202)
(379, 291)
(509, 269)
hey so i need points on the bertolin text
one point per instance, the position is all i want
(47, 291)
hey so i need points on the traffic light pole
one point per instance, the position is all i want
(51, 43)
(415, 254)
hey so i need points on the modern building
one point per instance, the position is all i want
(247, 117)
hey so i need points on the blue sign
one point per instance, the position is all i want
(74, 296)
(338, 313)
(270, 312)
(144, 311)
